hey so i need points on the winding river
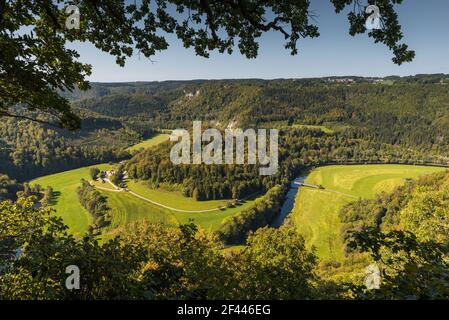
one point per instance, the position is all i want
(289, 201)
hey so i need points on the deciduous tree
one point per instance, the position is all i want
(36, 63)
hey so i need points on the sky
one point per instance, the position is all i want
(335, 53)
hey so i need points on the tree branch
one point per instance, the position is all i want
(16, 116)
(241, 8)
(2, 10)
(209, 18)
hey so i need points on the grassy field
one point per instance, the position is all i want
(104, 185)
(126, 208)
(174, 199)
(149, 143)
(212, 220)
(316, 211)
(306, 126)
(67, 205)
(285, 125)
(208, 220)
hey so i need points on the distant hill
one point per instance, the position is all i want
(411, 110)
(408, 112)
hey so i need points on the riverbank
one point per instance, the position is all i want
(315, 211)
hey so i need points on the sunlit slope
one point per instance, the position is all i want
(149, 143)
(316, 210)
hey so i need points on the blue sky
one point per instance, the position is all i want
(424, 22)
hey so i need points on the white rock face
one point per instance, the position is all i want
(190, 95)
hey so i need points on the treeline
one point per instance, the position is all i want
(8, 188)
(11, 190)
(235, 229)
(42, 195)
(202, 182)
(95, 203)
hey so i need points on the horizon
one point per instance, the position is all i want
(334, 52)
(274, 79)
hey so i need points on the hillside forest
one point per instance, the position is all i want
(392, 120)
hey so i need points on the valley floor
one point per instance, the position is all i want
(316, 210)
(141, 202)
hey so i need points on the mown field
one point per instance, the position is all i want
(173, 199)
(316, 210)
(66, 200)
(126, 208)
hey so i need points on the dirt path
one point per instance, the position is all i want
(170, 208)
(106, 189)
(118, 189)
(325, 189)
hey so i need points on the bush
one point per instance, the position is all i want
(94, 172)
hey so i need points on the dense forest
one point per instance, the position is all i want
(30, 150)
(411, 111)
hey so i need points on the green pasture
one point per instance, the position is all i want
(316, 210)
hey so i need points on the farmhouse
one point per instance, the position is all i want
(110, 173)
(107, 173)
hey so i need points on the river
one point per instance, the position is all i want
(289, 201)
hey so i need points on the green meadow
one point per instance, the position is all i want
(316, 210)
(306, 126)
(127, 208)
(149, 143)
(315, 213)
(66, 204)
(174, 199)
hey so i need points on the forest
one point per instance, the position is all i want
(419, 207)
(29, 150)
(407, 113)
(389, 120)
